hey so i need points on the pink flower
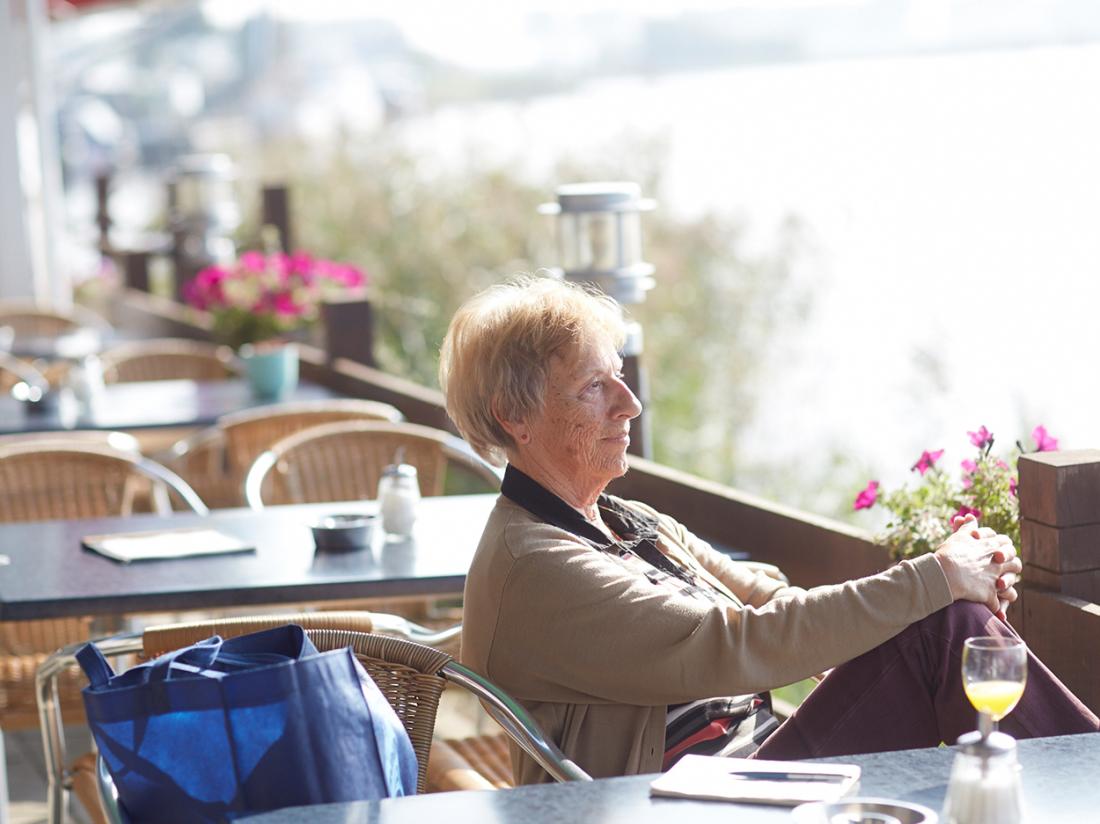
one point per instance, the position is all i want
(285, 306)
(983, 437)
(867, 497)
(301, 262)
(1012, 482)
(965, 510)
(926, 461)
(1043, 441)
(969, 468)
(352, 276)
(253, 261)
(1001, 464)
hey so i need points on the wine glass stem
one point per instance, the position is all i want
(986, 724)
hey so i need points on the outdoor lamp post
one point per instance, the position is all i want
(202, 214)
(599, 236)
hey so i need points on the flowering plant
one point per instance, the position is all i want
(985, 488)
(264, 296)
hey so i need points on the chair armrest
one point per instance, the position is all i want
(517, 722)
(50, 722)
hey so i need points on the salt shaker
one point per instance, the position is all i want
(86, 381)
(985, 781)
(398, 497)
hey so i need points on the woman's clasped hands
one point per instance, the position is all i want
(980, 565)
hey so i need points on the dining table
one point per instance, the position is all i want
(72, 345)
(1058, 777)
(137, 405)
(51, 574)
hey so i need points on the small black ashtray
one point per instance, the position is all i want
(343, 532)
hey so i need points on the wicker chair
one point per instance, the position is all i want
(344, 461)
(41, 481)
(65, 476)
(410, 676)
(120, 441)
(28, 320)
(215, 460)
(167, 359)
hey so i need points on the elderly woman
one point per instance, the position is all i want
(631, 640)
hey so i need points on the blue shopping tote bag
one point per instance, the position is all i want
(223, 729)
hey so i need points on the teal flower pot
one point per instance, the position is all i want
(272, 372)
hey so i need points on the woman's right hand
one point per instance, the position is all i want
(980, 565)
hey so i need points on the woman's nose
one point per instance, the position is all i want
(628, 406)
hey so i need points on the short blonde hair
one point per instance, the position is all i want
(495, 358)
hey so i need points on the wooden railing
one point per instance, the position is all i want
(1060, 549)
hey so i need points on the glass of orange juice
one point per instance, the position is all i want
(994, 671)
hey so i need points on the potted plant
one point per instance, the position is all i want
(985, 486)
(261, 300)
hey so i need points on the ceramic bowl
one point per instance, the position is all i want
(343, 532)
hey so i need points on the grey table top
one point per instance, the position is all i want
(144, 405)
(51, 575)
(1060, 783)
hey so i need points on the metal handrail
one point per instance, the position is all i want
(517, 722)
(50, 722)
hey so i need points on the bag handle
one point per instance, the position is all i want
(201, 655)
(95, 666)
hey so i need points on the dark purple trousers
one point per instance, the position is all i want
(907, 693)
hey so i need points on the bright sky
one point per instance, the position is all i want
(483, 34)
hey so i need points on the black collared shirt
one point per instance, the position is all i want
(636, 532)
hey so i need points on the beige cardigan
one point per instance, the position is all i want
(596, 652)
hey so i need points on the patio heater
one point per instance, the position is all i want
(599, 236)
(202, 214)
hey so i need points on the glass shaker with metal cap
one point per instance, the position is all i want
(398, 496)
(985, 781)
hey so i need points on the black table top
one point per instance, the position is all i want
(51, 575)
(1059, 780)
(145, 405)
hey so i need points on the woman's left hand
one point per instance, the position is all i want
(1006, 583)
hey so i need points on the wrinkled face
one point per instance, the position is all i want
(582, 431)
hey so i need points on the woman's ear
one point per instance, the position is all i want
(518, 430)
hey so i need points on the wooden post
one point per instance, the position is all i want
(1060, 521)
(135, 269)
(102, 214)
(349, 330)
(276, 212)
(1060, 545)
